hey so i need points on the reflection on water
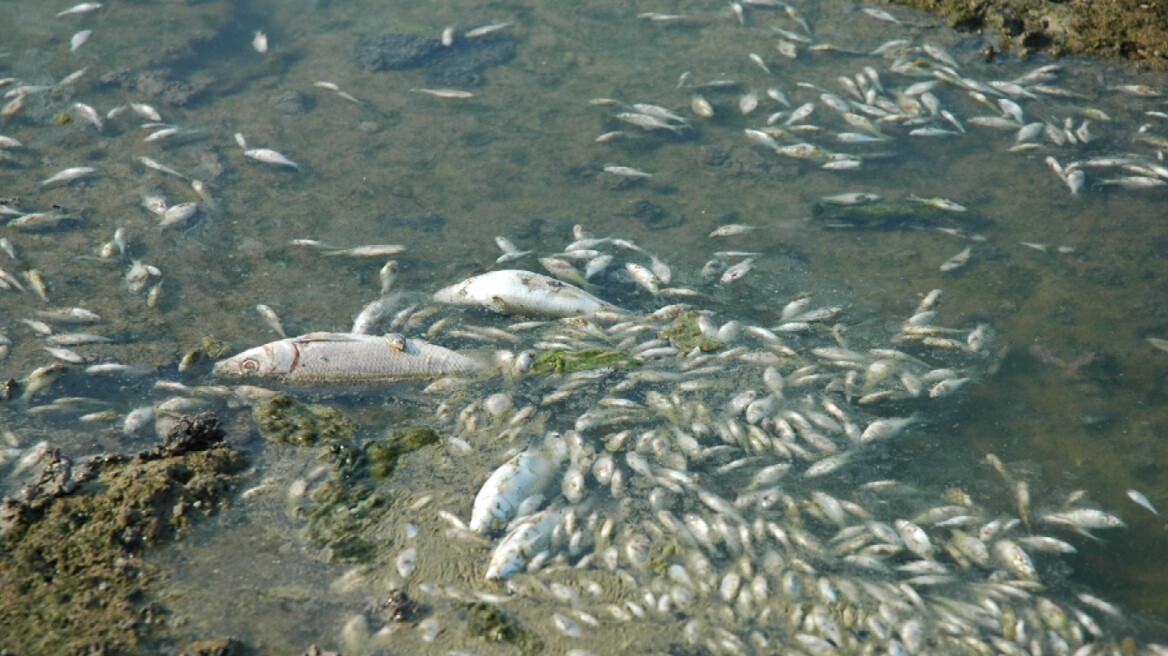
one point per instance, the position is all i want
(1071, 282)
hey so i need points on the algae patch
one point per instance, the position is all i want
(561, 361)
(1129, 29)
(71, 575)
(490, 623)
(284, 419)
(684, 334)
(345, 508)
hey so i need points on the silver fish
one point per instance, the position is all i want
(269, 156)
(523, 292)
(346, 358)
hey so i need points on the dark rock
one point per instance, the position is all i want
(648, 211)
(459, 65)
(290, 102)
(396, 51)
(462, 64)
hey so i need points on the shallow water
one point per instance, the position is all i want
(443, 177)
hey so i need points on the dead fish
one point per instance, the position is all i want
(269, 156)
(626, 171)
(81, 8)
(346, 358)
(457, 94)
(957, 261)
(737, 271)
(510, 250)
(523, 292)
(370, 250)
(69, 175)
(260, 42)
(271, 318)
(563, 270)
(731, 229)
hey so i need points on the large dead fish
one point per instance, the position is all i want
(513, 291)
(346, 358)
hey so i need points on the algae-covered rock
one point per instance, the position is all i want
(1128, 29)
(684, 334)
(561, 361)
(345, 508)
(281, 418)
(489, 622)
(71, 572)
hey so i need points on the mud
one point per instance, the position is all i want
(1124, 29)
(72, 578)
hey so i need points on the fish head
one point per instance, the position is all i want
(267, 361)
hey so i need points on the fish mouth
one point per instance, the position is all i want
(223, 369)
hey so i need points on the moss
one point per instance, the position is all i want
(684, 334)
(561, 361)
(71, 573)
(346, 507)
(61, 119)
(284, 419)
(1126, 29)
(490, 623)
(215, 348)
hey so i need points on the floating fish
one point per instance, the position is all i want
(512, 291)
(346, 358)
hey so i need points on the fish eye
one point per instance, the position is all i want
(250, 364)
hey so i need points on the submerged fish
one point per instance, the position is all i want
(346, 358)
(512, 291)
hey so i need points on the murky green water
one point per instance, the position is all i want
(1079, 399)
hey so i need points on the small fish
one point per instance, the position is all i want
(445, 93)
(514, 291)
(485, 30)
(852, 198)
(732, 229)
(563, 269)
(387, 276)
(146, 111)
(644, 277)
(626, 171)
(269, 156)
(260, 42)
(880, 14)
(370, 250)
(511, 252)
(1142, 500)
(737, 271)
(82, 8)
(939, 203)
(69, 175)
(161, 168)
(79, 39)
(273, 320)
(957, 261)
(178, 215)
(647, 122)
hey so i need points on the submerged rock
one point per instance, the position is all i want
(459, 65)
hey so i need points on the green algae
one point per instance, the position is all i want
(343, 510)
(684, 334)
(71, 573)
(490, 623)
(348, 505)
(284, 419)
(561, 361)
